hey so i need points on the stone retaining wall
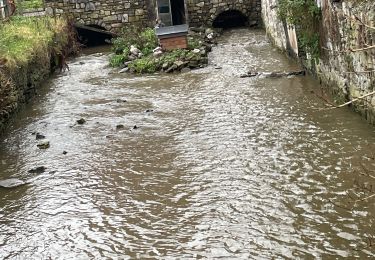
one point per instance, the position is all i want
(345, 74)
(109, 14)
(113, 14)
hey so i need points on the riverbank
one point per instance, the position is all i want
(30, 49)
(338, 51)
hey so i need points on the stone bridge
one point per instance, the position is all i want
(114, 14)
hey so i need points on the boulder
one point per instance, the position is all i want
(81, 121)
(157, 54)
(171, 68)
(43, 145)
(179, 64)
(185, 70)
(39, 136)
(38, 170)
(134, 50)
(124, 70)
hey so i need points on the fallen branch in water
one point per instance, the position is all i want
(276, 74)
(354, 100)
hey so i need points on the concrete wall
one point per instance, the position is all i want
(345, 74)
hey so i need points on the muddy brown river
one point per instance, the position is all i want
(218, 167)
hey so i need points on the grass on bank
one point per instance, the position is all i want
(29, 4)
(23, 38)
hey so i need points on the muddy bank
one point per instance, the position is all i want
(21, 78)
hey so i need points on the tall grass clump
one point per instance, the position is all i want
(24, 38)
(29, 4)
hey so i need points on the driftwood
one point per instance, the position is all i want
(354, 100)
(276, 74)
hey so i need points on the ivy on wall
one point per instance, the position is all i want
(305, 15)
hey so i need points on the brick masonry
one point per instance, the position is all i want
(174, 42)
(113, 14)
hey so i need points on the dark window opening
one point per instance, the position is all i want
(164, 9)
(178, 12)
(230, 19)
(93, 35)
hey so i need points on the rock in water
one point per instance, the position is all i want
(38, 170)
(81, 121)
(11, 183)
(124, 70)
(43, 145)
(39, 136)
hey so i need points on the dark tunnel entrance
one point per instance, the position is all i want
(230, 19)
(93, 35)
(178, 12)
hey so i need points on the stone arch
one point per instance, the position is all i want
(205, 12)
(230, 18)
(93, 32)
(228, 7)
(96, 22)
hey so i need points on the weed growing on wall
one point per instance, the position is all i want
(305, 15)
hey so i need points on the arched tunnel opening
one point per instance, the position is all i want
(93, 35)
(230, 19)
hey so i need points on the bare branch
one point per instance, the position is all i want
(361, 22)
(354, 100)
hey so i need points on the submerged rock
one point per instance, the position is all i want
(124, 70)
(118, 127)
(81, 121)
(185, 70)
(11, 183)
(43, 145)
(39, 136)
(38, 170)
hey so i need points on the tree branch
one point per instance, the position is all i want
(354, 100)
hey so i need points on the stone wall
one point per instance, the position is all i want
(113, 14)
(204, 12)
(344, 73)
(109, 14)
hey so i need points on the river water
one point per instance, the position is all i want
(218, 167)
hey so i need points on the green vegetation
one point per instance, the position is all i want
(29, 49)
(22, 38)
(29, 4)
(146, 41)
(305, 15)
